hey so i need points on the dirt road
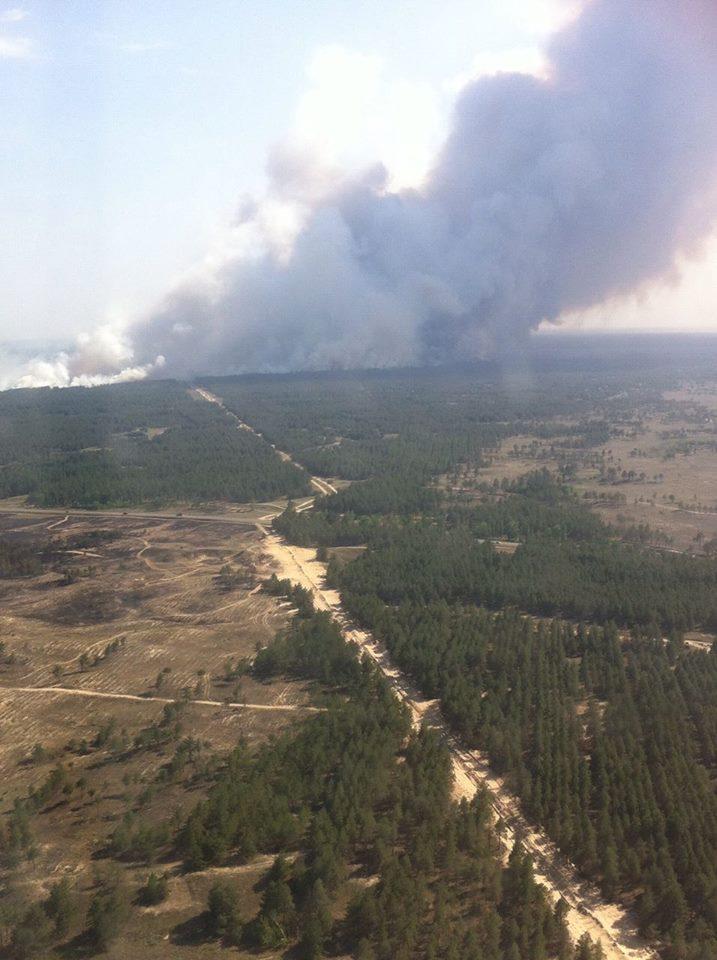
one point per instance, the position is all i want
(105, 695)
(323, 486)
(589, 913)
(220, 517)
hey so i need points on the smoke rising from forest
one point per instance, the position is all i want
(549, 195)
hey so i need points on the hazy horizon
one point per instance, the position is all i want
(381, 203)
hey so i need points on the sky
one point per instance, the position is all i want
(133, 132)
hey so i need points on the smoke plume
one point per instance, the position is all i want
(550, 195)
(104, 356)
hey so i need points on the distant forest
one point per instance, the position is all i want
(148, 443)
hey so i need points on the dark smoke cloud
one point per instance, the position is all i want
(549, 196)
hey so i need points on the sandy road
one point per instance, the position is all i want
(588, 912)
(104, 695)
(58, 523)
(323, 486)
(219, 517)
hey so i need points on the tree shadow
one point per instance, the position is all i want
(191, 932)
(78, 948)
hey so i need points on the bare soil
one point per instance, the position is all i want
(86, 650)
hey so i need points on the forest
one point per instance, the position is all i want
(410, 424)
(336, 805)
(597, 580)
(600, 716)
(124, 445)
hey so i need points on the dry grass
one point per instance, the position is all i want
(659, 467)
(154, 589)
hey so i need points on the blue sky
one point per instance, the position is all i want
(131, 129)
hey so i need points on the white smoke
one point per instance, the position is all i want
(104, 356)
(583, 181)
